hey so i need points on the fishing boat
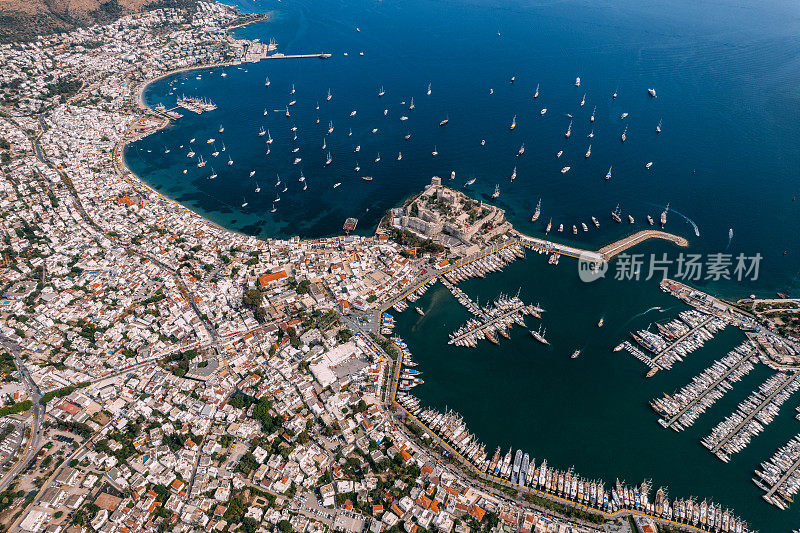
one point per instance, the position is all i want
(513, 123)
(584, 227)
(658, 127)
(302, 178)
(221, 128)
(403, 118)
(349, 132)
(287, 111)
(588, 152)
(215, 153)
(608, 174)
(267, 82)
(496, 192)
(514, 174)
(191, 140)
(513, 77)
(536, 93)
(385, 112)
(569, 130)
(297, 160)
(614, 96)
(663, 220)
(210, 141)
(521, 150)
(297, 149)
(374, 130)
(537, 211)
(591, 134)
(574, 229)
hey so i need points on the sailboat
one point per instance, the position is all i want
(569, 130)
(615, 215)
(658, 128)
(381, 92)
(624, 134)
(435, 151)
(608, 174)
(549, 226)
(536, 94)
(513, 123)
(429, 90)
(588, 152)
(514, 174)
(539, 335)
(266, 82)
(328, 98)
(537, 211)
(244, 202)
(591, 119)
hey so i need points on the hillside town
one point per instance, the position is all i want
(163, 374)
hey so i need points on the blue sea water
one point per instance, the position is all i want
(726, 74)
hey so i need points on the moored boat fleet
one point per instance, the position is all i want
(779, 477)
(681, 409)
(196, 105)
(479, 268)
(521, 470)
(493, 321)
(759, 409)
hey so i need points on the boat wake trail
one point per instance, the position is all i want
(730, 238)
(687, 219)
(634, 317)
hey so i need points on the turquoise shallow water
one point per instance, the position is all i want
(726, 74)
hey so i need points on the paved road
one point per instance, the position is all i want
(38, 414)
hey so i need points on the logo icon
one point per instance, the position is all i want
(590, 269)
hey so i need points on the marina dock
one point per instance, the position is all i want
(779, 477)
(735, 432)
(682, 409)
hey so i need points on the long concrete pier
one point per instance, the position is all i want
(788, 473)
(605, 253)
